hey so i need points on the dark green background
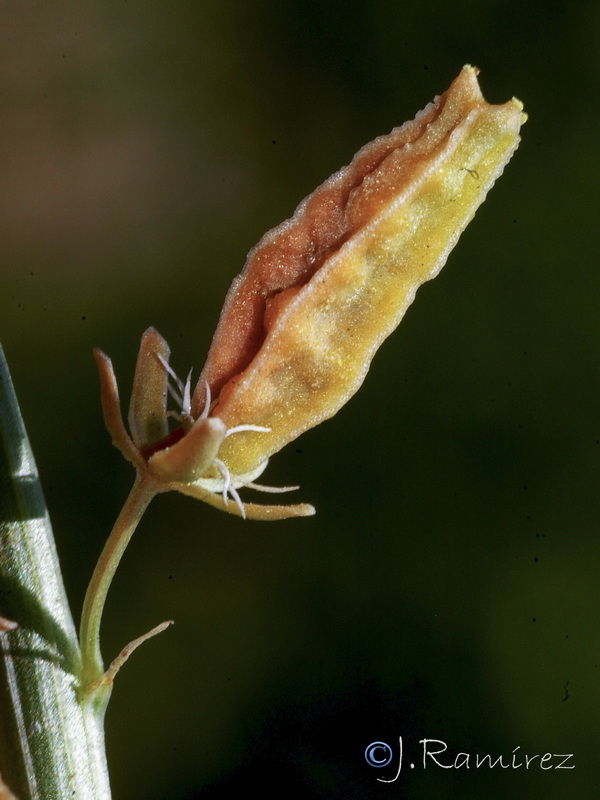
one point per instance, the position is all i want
(449, 585)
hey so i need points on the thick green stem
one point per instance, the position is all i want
(51, 744)
(140, 496)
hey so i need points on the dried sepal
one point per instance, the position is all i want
(111, 410)
(186, 458)
(255, 511)
(193, 455)
(148, 406)
(320, 293)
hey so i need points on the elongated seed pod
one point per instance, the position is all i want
(320, 293)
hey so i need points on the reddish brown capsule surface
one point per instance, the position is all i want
(320, 292)
(317, 297)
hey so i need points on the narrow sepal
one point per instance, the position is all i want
(191, 456)
(111, 409)
(148, 406)
(255, 511)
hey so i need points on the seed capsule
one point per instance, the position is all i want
(320, 292)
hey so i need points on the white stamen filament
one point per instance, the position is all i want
(228, 488)
(207, 399)
(186, 405)
(180, 392)
(241, 428)
(176, 393)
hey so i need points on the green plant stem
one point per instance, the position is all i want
(51, 744)
(140, 496)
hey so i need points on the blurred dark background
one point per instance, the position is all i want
(448, 587)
